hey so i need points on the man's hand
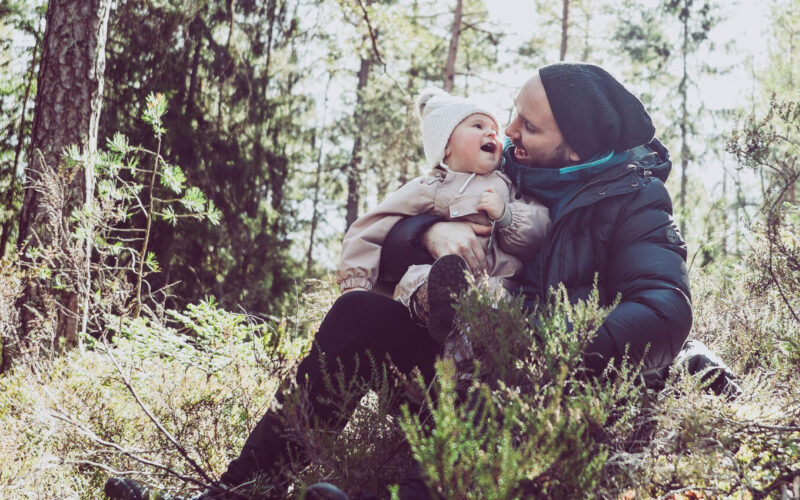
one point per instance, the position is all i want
(457, 238)
(492, 203)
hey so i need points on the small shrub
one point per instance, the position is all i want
(532, 424)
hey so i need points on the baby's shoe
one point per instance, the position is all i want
(419, 306)
(446, 280)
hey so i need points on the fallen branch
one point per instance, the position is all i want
(125, 451)
(156, 422)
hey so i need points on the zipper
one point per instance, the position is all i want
(565, 212)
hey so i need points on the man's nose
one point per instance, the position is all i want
(510, 127)
(509, 131)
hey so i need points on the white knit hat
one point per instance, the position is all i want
(440, 114)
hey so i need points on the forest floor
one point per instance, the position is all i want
(68, 423)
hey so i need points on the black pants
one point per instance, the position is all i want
(358, 322)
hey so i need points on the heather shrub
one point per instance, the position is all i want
(206, 380)
(532, 424)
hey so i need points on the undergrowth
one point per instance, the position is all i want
(536, 430)
(169, 396)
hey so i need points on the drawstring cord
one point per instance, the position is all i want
(461, 190)
(472, 175)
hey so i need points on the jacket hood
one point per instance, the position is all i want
(653, 157)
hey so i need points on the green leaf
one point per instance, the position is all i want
(155, 108)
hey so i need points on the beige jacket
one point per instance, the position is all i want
(454, 196)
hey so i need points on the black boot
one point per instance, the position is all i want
(324, 491)
(700, 361)
(123, 488)
(446, 280)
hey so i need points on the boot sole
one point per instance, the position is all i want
(446, 278)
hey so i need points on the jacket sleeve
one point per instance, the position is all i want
(530, 222)
(403, 246)
(647, 269)
(363, 242)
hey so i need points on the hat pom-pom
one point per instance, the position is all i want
(426, 95)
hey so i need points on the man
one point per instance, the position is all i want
(583, 145)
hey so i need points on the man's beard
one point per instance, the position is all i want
(558, 158)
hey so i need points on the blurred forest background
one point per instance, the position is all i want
(221, 149)
(294, 117)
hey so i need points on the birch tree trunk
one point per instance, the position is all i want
(67, 112)
(315, 214)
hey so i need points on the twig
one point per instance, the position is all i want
(778, 482)
(112, 471)
(152, 417)
(779, 428)
(149, 218)
(374, 39)
(372, 34)
(671, 494)
(125, 451)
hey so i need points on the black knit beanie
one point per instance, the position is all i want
(593, 110)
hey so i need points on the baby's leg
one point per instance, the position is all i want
(458, 346)
(406, 292)
(408, 284)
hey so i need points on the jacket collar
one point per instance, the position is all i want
(643, 161)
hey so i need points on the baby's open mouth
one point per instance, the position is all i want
(489, 147)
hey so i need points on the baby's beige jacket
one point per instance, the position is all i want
(454, 196)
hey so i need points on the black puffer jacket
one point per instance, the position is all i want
(620, 227)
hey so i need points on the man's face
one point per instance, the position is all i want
(534, 132)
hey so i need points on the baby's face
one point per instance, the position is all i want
(473, 146)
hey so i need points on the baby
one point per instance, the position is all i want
(465, 184)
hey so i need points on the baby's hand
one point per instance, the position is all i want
(492, 203)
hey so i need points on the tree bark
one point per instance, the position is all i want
(455, 33)
(9, 202)
(353, 175)
(315, 214)
(67, 112)
(685, 152)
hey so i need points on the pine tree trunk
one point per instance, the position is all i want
(725, 225)
(564, 30)
(353, 176)
(12, 189)
(67, 112)
(315, 215)
(684, 91)
(455, 33)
